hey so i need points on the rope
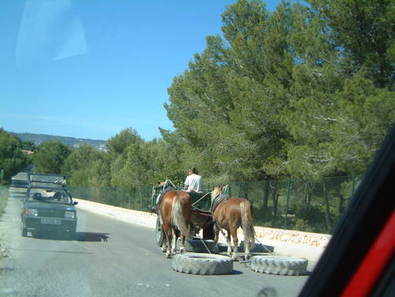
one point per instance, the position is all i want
(168, 180)
(200, 198)
(202, 240)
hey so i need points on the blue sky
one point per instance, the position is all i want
(90, 68)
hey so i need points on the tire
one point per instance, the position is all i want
(159, 237)
(278, 265)
(202, 264)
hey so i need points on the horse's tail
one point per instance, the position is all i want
(178, 218)
(247, 223)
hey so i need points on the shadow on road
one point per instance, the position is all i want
(79, 236)
(92, 236)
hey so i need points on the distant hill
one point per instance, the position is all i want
(70, 141)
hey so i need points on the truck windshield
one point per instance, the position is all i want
(50, 196)
(18, 183)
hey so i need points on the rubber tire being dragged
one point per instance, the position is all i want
(202, 264)
(278, 265)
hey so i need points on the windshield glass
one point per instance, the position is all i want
(272, 108)
(50, 196)
(19, 183)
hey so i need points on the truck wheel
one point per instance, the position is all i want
(158, 235)
(278, 265)
(202, 264)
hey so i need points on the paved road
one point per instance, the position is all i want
(127, 264)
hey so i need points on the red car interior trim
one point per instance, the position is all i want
(373, 263)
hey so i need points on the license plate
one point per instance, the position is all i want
(51, 221)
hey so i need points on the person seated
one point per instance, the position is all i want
(37, 196)
(193, 184)
(58, 196)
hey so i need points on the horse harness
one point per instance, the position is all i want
(218, 200)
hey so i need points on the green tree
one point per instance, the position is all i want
(12, 159)
(50, 157)
(365, 32)
(88, 166)
(226, 107)
(116, 145)
(340, 108)
(28, 145)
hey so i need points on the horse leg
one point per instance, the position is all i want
(164, 246)
(216, 233)
(174, 244)
(233, 233)
(182, 247)
(228, 241)
(246, 247)
(168, 233)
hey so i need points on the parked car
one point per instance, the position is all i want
(19, 185)
(48, 208)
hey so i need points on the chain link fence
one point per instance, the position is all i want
(289, 203)
(298, 204)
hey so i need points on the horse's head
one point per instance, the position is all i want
(219, 192)
(216, 192)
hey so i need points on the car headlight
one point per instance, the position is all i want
(31, 212)
(69, 214)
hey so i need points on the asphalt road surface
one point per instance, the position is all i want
(127, 264)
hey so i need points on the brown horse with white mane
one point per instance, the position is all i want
(178, 217)
(174, 212)
(230, 214)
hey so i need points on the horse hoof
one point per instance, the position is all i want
(182, 250)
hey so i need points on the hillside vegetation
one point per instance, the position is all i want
(37, 139)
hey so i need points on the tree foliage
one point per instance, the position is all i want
(12, 158)
(50, 157)
(302, 91)
(289, 92)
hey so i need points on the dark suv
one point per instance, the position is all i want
(48, 207)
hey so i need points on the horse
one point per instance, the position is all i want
(174, 211)
(189, 217)
(230, 214)
(203, 220)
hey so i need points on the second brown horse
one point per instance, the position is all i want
(230, 214)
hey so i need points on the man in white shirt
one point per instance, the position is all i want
(193, 182)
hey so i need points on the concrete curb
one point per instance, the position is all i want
(286, 242)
